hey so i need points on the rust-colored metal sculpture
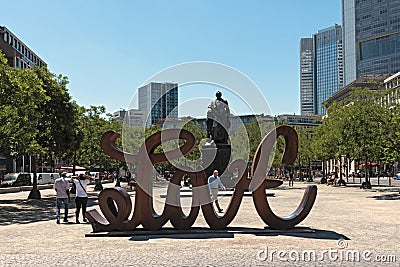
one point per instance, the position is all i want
(116, 218)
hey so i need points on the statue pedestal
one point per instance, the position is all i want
(217, 156)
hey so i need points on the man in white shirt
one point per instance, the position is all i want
(81, 198)
(61, 185)
(214, 182)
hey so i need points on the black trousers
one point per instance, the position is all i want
(80, 202)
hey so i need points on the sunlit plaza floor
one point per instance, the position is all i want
(348, 226)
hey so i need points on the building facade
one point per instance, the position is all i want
(131, 117)
(329, 64)
(307, 94)
(160, 101)
(392, 85)
(371, 33)
(17, 53)
(304, 121)
(321, 69)
(373, 82)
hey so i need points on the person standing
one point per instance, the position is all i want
(61, 185)
(81, 198)
(291, 178)
(214, 182)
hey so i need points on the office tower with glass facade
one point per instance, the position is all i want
(307, 101)
(160, 101)
(329, 64)
(371, 33)
(321, 69)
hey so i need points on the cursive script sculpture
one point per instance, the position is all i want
(117, 218)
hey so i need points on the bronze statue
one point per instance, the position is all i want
(117, 218)
(218, 120)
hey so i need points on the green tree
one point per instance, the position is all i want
(94, 122)
(21, 97)
(58, 126)
(305, 153)
(363, 130)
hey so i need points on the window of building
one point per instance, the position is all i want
(5, 37)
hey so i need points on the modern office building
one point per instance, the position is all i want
(307, 94)
(329, 64)
(17, 53)
(160, 101)
(371, 35)
(321, 69)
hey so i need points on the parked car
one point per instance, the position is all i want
(17, 179)
(47, 178)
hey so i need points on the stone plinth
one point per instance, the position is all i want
(217, 156)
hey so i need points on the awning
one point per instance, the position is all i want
(368, 164)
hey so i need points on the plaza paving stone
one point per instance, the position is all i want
(362, 221)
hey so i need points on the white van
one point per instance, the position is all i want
(47, 178)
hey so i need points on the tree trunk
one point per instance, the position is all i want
(35, 193)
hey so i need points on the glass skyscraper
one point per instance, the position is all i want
(321, 68)
(329, 64)
(160, 100)
(371, 31)
(307, 102)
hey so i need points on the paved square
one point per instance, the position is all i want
(350, 226)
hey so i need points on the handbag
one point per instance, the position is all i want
(72, 190)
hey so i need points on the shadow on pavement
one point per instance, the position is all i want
(393, 196)
(315, 234)
(206, 233)
(24, 211)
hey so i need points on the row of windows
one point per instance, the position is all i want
(378, 68)
(380, 47)
(395, 21)
(357, 2)
(11, 40)
(21, 64)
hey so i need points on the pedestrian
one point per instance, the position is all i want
(132, 181)
(128, 176)
(291, 178)
(61, 185)
(214, 182)
(81, 198)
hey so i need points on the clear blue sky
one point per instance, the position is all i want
(109, 48)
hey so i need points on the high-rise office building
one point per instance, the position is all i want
(160, 100)
(17, 53)
(321, 68)
(307, 102)
(329, 64)
(371, 33)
